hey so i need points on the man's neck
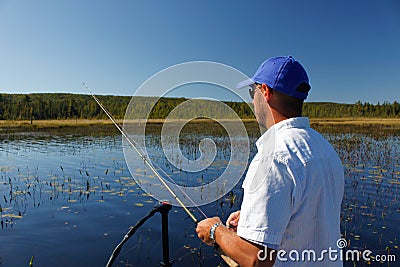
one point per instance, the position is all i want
(276, 117)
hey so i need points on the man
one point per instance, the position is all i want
(290, 214)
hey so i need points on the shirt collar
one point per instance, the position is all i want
(297, 122)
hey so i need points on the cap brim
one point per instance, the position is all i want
(244, 83)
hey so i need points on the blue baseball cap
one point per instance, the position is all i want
(283, 74)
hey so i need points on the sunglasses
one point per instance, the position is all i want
(252, 89)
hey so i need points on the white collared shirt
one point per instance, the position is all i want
(293, 192)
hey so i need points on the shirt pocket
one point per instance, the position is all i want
(258, 172)
(251, 171)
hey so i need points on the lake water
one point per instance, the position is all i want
(67, 197)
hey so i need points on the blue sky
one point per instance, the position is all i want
(349, 48)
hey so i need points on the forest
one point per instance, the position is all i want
(44, 106)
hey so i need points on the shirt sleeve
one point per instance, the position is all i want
(267, 204)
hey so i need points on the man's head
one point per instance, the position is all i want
(280, 84)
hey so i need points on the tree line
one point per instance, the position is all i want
(335, 110)
(45, 106)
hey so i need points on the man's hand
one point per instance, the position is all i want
(203, 229)
(233, 220)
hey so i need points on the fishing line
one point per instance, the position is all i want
(151, 165)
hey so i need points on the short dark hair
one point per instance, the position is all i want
(286, 105)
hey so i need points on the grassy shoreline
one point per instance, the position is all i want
(395, 122)
(357, 121)
(53, 123)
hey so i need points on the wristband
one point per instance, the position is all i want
(212, 230)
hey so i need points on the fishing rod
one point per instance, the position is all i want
(134, 145)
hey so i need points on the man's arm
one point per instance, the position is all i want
(245, 253)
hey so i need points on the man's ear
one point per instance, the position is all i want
(266, 91)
